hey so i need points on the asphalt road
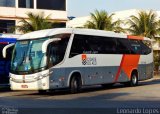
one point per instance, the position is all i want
(146, 95)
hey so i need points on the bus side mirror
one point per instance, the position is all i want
(47, 42)
(4, 51)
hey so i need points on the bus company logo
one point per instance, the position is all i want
(88, 60)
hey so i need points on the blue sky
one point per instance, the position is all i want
(84, 7)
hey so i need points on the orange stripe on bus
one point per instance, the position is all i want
(135, 37)
(119, 69)
(128, 64)
(84, 56)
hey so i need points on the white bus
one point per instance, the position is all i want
(72, 58)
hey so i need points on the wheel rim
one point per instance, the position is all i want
(134, 79)
(75, 84)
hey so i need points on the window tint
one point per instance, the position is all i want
(146, 47)
(6, 26)
(80, 45)
(9, 52)
(52, 4)
(123, 46)
(135, 47)
(102, 45)
(25, 4)
(56, 50)
(85, 44)
(7, 3)
(1, 48)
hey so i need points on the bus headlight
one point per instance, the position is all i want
(39, 77)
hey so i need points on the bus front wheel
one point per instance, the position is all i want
(75, 84)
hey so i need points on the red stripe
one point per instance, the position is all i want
(119, 69)
(3, 42)
(135, 37)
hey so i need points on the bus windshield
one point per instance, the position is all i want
(28, 57)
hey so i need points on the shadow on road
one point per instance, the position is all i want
(152, 82)
(90, 89)
(94, 88)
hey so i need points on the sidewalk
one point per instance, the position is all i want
(156, 77)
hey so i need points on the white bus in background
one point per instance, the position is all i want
(72, 58)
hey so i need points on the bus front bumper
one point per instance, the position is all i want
(42, 84)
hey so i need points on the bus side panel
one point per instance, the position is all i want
(94, 69)
(90, 76)
(99, 68)
(149, 66)
(104, 75)
(122, 77)
(146, 67)
(145, 71)
(57, 78)
(99, 75)
(102, 69)
(150, 69)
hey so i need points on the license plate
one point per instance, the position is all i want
(24, 86)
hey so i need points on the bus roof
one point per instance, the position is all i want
(51, 32)
(8, 38)
(9, 35)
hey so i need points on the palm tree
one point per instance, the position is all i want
(101, 20)
(145, 24)
(34, 22)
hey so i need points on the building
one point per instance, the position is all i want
(11, 11)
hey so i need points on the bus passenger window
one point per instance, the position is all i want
(109, 45)
(146, 47)
(135, 47)
(123, 46)
(80, 45)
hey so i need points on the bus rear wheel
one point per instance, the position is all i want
(133, 81)
(75, 85)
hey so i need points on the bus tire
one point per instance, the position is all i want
(75, 84)
(134, 79)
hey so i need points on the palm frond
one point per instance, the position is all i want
(34, 22)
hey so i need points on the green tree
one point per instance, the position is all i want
(144, 24)
(101, 20)
(34, 22)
